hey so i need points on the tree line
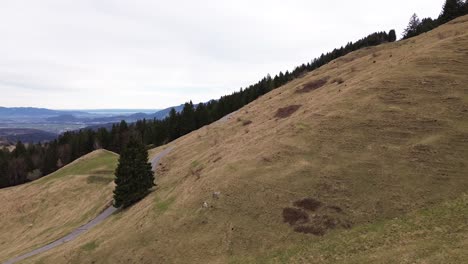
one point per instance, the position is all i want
(451, 10)
(29, 162)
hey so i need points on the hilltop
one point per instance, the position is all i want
(361, 160)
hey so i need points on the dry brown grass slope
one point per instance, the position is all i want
(34, 214)
(380, 150)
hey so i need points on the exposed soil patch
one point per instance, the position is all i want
(309, 229)
(295, 216)
(246, 122)
(318, 219)
(287, 111)
(313, 85)
(308, 204)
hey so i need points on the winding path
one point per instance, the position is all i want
(75, 233)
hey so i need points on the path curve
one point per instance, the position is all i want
(75, 233)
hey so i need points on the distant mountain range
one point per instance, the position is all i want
(12, 112)
(72, 118)
(107, 122)
(30, 124)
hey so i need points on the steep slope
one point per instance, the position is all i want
(377, 141)
(34, 214)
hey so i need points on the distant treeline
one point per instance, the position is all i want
(30, 162)
(451, 10)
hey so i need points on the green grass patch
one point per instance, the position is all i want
(195, 164)
(90, 246)
(161, 206)
(302, 126)
(99, 179)
(104, 161)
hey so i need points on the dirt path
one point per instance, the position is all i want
(75, 233)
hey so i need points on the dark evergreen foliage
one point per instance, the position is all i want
(133, 176)
(392, 36)
(412, 26)
(451, 10)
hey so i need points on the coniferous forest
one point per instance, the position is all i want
(451, 10)
(27, 163)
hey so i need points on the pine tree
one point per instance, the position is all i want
(187, 118)
(451, 10)
(412, 27)
(134, 177)
(392, 36)
(4, 168)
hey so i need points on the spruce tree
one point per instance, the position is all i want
(451, 10)
(412, 27)
(133, 176)
(392, 35)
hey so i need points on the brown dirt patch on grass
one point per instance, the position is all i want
(313, 85)
(287, 111)
(295, 216)
(308, 204)
(246, 122)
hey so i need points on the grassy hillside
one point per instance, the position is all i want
(362, 160)
(34, 214)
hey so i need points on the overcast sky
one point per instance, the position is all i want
(85, 54)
